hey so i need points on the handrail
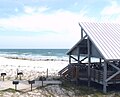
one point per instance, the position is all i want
(61, 71)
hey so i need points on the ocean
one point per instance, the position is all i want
(35, 54)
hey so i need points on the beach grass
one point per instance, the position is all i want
(84, 91)
(11, 90)
(81, 90)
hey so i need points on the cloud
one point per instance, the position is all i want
(57, 21)
(32, 10)
(43, 9)
(61, 28)
(112, 9)
(28, 9)
(111, 13)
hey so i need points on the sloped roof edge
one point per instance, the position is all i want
(93, 28)
(68, 52)
(106, 37)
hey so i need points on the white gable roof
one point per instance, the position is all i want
(106, 37)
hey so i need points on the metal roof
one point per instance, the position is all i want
(106, 37)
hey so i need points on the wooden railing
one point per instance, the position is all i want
(76, 70)
(63, 70)
(96, 75)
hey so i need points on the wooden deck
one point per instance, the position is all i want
(79, 72)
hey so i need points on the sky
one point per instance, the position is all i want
(40, 24)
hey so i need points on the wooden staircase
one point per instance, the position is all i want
(64, 72)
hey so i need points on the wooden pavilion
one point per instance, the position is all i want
(101, 41)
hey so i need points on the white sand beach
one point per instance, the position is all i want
(31, 70)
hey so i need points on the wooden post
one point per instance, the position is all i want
(15, 87)
(100, 65)
(89, 61)
(81, 33)
(47, 73)
(70, 59)
(3, 78)
(105, 77)
(31, 87)
(31, 82)
(70, 67)
(17, 74)
(15, 83)
(78, 55)
(3, 74)
(42, 81)
(77, 67)
(77, 74)
(100, 61)
(20, 77)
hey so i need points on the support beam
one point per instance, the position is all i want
(83, 59)
(81, 33)
(112, 76)
(69, 59)
(82, 30)
(79, 55)
(74, 58)
(77, 68)
(89, 61)
(105, 77)
(77, 73)
(100, 60)
(115, 66)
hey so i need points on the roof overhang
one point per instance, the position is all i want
(98, 33)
